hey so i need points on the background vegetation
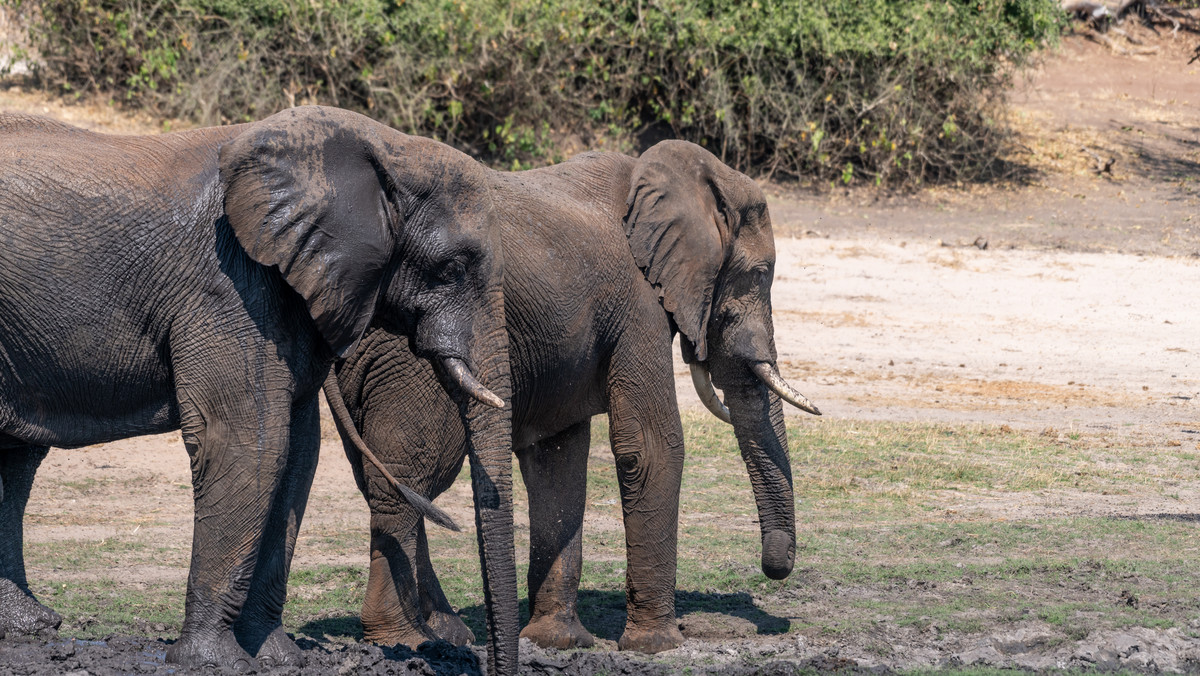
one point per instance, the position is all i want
(839, 90)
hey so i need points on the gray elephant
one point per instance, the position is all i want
(205, 281)
(606, 258)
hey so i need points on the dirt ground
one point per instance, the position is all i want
(1067, 300)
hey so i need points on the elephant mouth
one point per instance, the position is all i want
(765, 372)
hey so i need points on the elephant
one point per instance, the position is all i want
(206, 281)
(606, 259)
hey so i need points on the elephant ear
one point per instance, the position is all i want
(678, 233)
(306, 191)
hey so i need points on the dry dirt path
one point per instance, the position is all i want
(896, 330)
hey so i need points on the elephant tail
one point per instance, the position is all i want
(423, 505)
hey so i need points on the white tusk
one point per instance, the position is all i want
(462, 376)
(767, 373)
(708, 396)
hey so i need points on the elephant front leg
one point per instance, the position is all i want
(435, 607)
(259, 628)
(647, 440)
(391, 612)
(238, 454)
(20, 612)
(555, 474)
(402, 589)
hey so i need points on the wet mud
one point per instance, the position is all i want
(1027, 649)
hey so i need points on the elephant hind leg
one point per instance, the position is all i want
(20, 612)
(555, 474)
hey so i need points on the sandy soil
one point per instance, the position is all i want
(1068, 301)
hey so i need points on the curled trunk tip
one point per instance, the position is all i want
(770, 377)
(702, 381)
(458, 372)
(778, 553)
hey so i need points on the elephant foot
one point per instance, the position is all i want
(450, 627)
(279, 650)
(20, 612)
(393, 636)
(221, 652)
(562, 631)
(650, 640)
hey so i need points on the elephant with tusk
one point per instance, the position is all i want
(607, 257)
(206, 281)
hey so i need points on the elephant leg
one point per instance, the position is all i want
(391, 612)
(555, 474)
(435, 607)
(647, 441)
(259, 628)
(20, 612)
(237, 439)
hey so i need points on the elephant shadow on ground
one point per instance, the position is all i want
(326, 628)
(701, 615)
(336, 642)
(711, 616)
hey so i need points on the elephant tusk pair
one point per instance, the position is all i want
(337, 406)
(458, 372)
(765, 371)
(708, 396)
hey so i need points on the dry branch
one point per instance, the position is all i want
(1103, 166)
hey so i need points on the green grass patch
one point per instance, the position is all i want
(93, 610)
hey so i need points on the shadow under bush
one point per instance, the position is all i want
(840, 90)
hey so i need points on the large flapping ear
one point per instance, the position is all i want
(306, 190)
(678, 232)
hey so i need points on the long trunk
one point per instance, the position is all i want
(758, 424)
(490, 452)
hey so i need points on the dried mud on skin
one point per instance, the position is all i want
(1031, 648)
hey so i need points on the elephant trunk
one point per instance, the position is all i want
(757, 415)
(490, 451)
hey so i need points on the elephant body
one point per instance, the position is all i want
(205, 281)
(588, 334)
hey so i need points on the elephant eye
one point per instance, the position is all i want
(762, 276)
(453, 271)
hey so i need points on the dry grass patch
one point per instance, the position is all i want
(895, 520)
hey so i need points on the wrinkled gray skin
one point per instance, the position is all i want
(605, 258)
(205, 281)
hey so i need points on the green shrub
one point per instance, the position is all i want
(892, 91)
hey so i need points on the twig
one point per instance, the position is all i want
(1103, 166)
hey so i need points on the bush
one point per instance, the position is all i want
(890, 91)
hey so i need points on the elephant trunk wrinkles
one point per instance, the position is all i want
(490, 453)
(758, 423)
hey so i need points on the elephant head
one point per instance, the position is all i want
(701, 233)
(368, 225)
